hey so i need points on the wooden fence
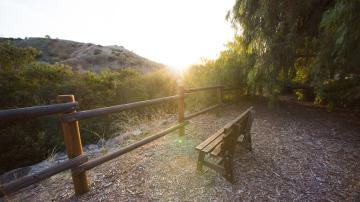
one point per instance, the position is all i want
(77, 161)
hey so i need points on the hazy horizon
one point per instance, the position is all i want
(175, 33)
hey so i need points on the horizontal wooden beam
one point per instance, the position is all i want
(36, 111)
(191, 90)
(225, 129)
(113, 109)
(18, 184)
(238, 119)
(202, 111)
(231, 88)
(100, 160)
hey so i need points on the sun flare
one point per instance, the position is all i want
(179, 69)
(165, 35)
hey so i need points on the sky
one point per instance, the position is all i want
(176, 33)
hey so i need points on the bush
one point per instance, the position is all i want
(31, 84)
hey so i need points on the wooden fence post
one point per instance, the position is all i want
(73, 146)
(181, 108)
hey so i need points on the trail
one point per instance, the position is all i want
(299, 153)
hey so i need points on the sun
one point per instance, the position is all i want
(178, 69)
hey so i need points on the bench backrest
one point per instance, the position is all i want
(240, 126)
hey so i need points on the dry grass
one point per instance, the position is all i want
(299, 154)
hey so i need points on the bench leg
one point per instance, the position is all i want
(228, 168)
(200, 161)
(247, 141)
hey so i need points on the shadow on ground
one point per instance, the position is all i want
(299, 153)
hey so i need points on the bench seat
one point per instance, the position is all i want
(223, 142)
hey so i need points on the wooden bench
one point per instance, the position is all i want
(222, 144)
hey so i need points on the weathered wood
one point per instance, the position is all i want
(23, 182)
(228, 149)
(202, 111)
(73, 146)
(223, 143)
(247, 137)
(220, 161)
(200, 161)
(114, 109)
(181, 108)
(192, 90)
(210, 139)
(72, 139)
(213, 144)
(239, 118)
(228, 168)
(210, 147)
(100, 160)
(36, 111)
(216, 151)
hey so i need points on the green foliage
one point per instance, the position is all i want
(338, 41)
(27, 83)
(290, 43)
(276, 34)
(281, 43)
(13, 57)
(202, 75)
(300, 95)
(343, 92)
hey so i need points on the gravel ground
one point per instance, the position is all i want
(299, 154)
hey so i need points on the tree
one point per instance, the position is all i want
(311, 42)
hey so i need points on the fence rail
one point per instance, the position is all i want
(114, 109)
(78, 162)
(36, 111)
(18, 184)
(192, 90)
(202, 111)
(102, 159)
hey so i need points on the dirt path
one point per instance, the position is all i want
(299, 154)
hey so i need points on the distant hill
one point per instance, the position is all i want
(85, 56)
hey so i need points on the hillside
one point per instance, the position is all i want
(85, 56)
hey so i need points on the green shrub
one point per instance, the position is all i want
(26, 83)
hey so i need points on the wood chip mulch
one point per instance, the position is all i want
(299, 154)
